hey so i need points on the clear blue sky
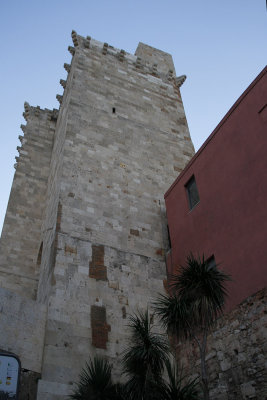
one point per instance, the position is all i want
(219, 45)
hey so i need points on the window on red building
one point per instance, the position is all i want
(192, 192)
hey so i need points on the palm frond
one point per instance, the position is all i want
(175, 315)
(95, 382)
(141, 387)
(201, 285)
(196, 299)
(143, 361)
(178, 387)
(147, 350)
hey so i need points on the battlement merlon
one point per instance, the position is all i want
(154, 56)
(38, 111)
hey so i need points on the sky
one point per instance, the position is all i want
(219, 45)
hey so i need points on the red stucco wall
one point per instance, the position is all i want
(230, 220)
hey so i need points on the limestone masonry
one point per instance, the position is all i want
(84, 238)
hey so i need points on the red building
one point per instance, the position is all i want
(218, 204)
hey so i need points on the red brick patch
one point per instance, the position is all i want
(70, 250)
(160, 252)
(97, 269)
(100, 328)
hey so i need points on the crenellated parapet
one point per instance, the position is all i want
(87, 42)
(63, 83)
(27, 109)
(74, 38)
(146, 60)
(67, 67)
(23, 128)
(31, 114)
(121, 55)
(59, 98)
(21, 236)
(105, 49)
(170, 75)
(71, 50)
(32, 111)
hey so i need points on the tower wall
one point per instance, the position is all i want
(123, 136)
(20, 241)
(86, 220)
(52, 215)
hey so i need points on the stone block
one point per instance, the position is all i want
(248, 390)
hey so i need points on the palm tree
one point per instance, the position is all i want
(95, 382)
(177, 388)
(144, 362)
(196, 299)
(144, 359)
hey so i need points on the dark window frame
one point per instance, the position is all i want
(192, 192)
(169, 237)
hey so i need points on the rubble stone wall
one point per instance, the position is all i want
(237, 353)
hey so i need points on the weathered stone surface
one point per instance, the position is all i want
(237, 352)
(22, 328)
(21, 235)
(86, 228)
(94, 215)
(113, 158)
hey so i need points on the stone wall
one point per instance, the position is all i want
(86, 224)
(237, 353)
(22, 328)
(120, 141)
(21, 235)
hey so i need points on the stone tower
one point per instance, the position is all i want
(85, 235)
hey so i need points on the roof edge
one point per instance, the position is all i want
(211, 136)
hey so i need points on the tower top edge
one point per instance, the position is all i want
(146, 55)
(152, 49)
(155, 56)
(37, 111)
